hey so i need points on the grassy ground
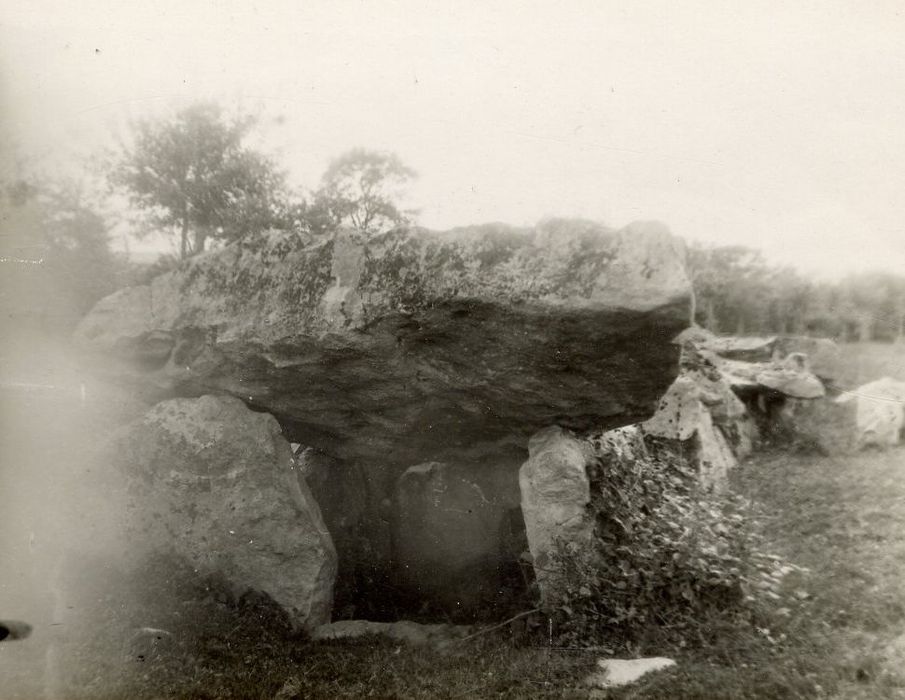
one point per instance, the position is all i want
(865, 362)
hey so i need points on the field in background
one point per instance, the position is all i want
(865, 362)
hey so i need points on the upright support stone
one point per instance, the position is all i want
(555, 497)
(214, 483)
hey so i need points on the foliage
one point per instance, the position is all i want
(193, 174)
(361, 188)
(738, 292)
(59, 255)
(665, 556)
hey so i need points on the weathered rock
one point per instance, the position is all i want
(413, 343)
(701, 406)
(880, 411)
(402, 631)
(451, 534)
(792, 383)
(558, 480)
(779, 378)
(790, 365)
(618, 672)
(745, 349)
(555, 492)
(359, 526)
(824, 357)
(683, 414)
(214, 483)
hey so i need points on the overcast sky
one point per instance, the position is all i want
(778, 124)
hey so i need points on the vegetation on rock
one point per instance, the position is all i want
(665, 556)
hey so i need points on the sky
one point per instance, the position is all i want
(776, 125)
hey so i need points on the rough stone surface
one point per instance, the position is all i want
(880, 411)
(684, 413)
(690, 427)
(796, 384)
(702, 406)
(452, 535)
(359, 526)
(555, 493)
(778, 378)
(745, 349)
(412, 344)
(618, 672)
(824, 356)
(557, 489)
(214, 483)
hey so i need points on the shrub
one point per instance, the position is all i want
(666, 557)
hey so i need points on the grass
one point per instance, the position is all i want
(865, 362)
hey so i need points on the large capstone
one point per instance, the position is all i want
(411, 347)
(212, 482)
(413, 342)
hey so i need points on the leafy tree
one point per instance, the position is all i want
(59, 254)
(361, 188)
(737, 291)
(731, 287)
(193, 175)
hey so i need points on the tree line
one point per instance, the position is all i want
(738, 292)
(194, 176)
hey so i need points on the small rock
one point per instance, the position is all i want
(619, 672)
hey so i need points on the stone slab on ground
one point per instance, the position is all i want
(618, 672)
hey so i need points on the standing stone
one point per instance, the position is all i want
(880, 411)
(556, 492)
(214, 483)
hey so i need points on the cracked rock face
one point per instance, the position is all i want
(413, 343)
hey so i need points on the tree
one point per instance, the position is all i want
(193, 175)
(361, 188)
(731, 287)
(60, 247)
